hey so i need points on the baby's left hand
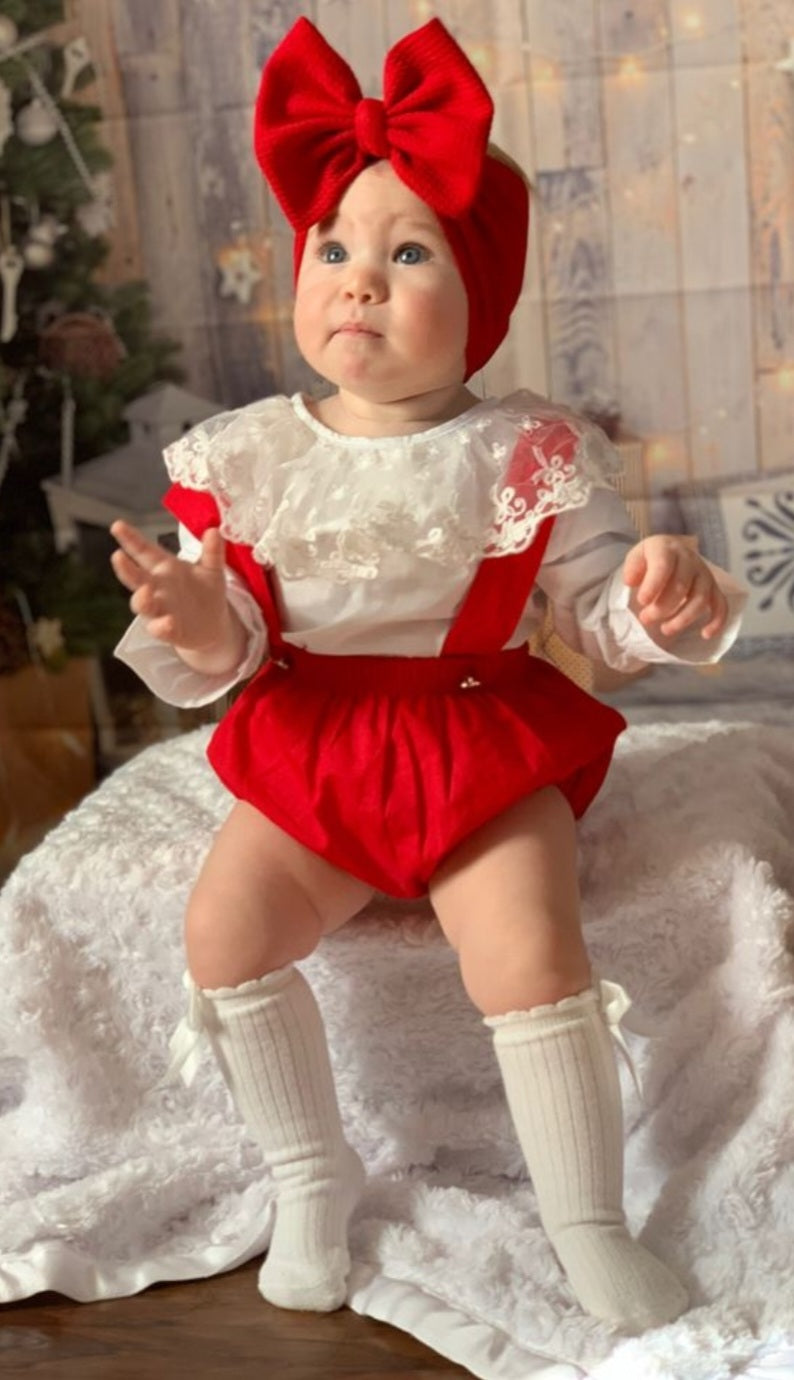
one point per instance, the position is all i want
(674, 587)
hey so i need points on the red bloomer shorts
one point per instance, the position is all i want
(383, 765)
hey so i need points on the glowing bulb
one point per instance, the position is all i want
(659, 452)
(545, 72)
(422, 10)
(481, 56)
(631, 70)
(785, 378)
(693, 21)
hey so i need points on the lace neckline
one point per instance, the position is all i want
(312, 502)
(433, 433)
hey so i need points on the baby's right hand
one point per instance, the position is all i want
(180, 602)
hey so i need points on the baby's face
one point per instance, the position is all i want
(380, 307)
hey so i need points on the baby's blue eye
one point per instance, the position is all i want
(332, 252)
(411, 254)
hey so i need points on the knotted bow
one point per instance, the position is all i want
(314, 132)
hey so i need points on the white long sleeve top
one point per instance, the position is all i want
(375, 541)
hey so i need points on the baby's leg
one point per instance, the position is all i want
(508, 902)
(263, 901)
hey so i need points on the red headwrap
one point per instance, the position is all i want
(314, 133)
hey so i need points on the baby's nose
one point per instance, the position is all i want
(366, 283)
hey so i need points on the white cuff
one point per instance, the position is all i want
(166, 675)
(613, 630)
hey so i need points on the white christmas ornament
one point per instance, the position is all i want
(6, 120)
(36, 124)
(37, 255)
(239, 274)
(38, 250)
(76, 57)
(47, 230)
(12, 415)
(8, 33)
(12, 266)
(98, 216)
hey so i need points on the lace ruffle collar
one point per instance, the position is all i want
(312, 502)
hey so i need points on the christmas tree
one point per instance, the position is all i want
(73, 351)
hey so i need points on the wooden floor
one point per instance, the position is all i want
(199, 1331)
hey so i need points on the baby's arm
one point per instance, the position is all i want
(182, 603)
(613, 598)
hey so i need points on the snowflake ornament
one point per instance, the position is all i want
(239, 274)
(47, 637)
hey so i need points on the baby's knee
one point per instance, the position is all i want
(509, 980)
(228, 944)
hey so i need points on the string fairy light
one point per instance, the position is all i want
(548, 67)
(631, 64)
(546, 73)
(631, 71)
(787, 63)
(692, 23)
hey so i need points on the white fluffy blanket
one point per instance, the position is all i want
(112, 1181)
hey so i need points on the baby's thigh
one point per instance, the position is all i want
(262, 900)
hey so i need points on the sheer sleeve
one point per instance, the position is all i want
(594, 610)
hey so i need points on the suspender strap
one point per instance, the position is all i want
(198, 511)
(486, 619)
(496, 599)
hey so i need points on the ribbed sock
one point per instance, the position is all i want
(560, 1076)
(269, 1039)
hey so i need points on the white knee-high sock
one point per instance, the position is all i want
(269, 1039)
(560, 1075)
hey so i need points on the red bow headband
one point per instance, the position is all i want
(314, 133)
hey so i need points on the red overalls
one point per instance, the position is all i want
(383, 764)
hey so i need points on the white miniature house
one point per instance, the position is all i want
(128, 482)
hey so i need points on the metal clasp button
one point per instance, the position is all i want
(469, 683)
(282, 662)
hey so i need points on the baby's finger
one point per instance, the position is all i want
(162, 628)
(634, 566)
(145, 553)
(127, 571)
(719, 610)
(146, 602)
(661, 567)
(213, 550)
(695, 607)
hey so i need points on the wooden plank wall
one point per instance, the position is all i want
(660, 142)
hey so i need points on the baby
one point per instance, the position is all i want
(375, 560)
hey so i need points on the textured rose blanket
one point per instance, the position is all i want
(113, 1179)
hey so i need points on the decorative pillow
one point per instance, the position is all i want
(746, 524)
